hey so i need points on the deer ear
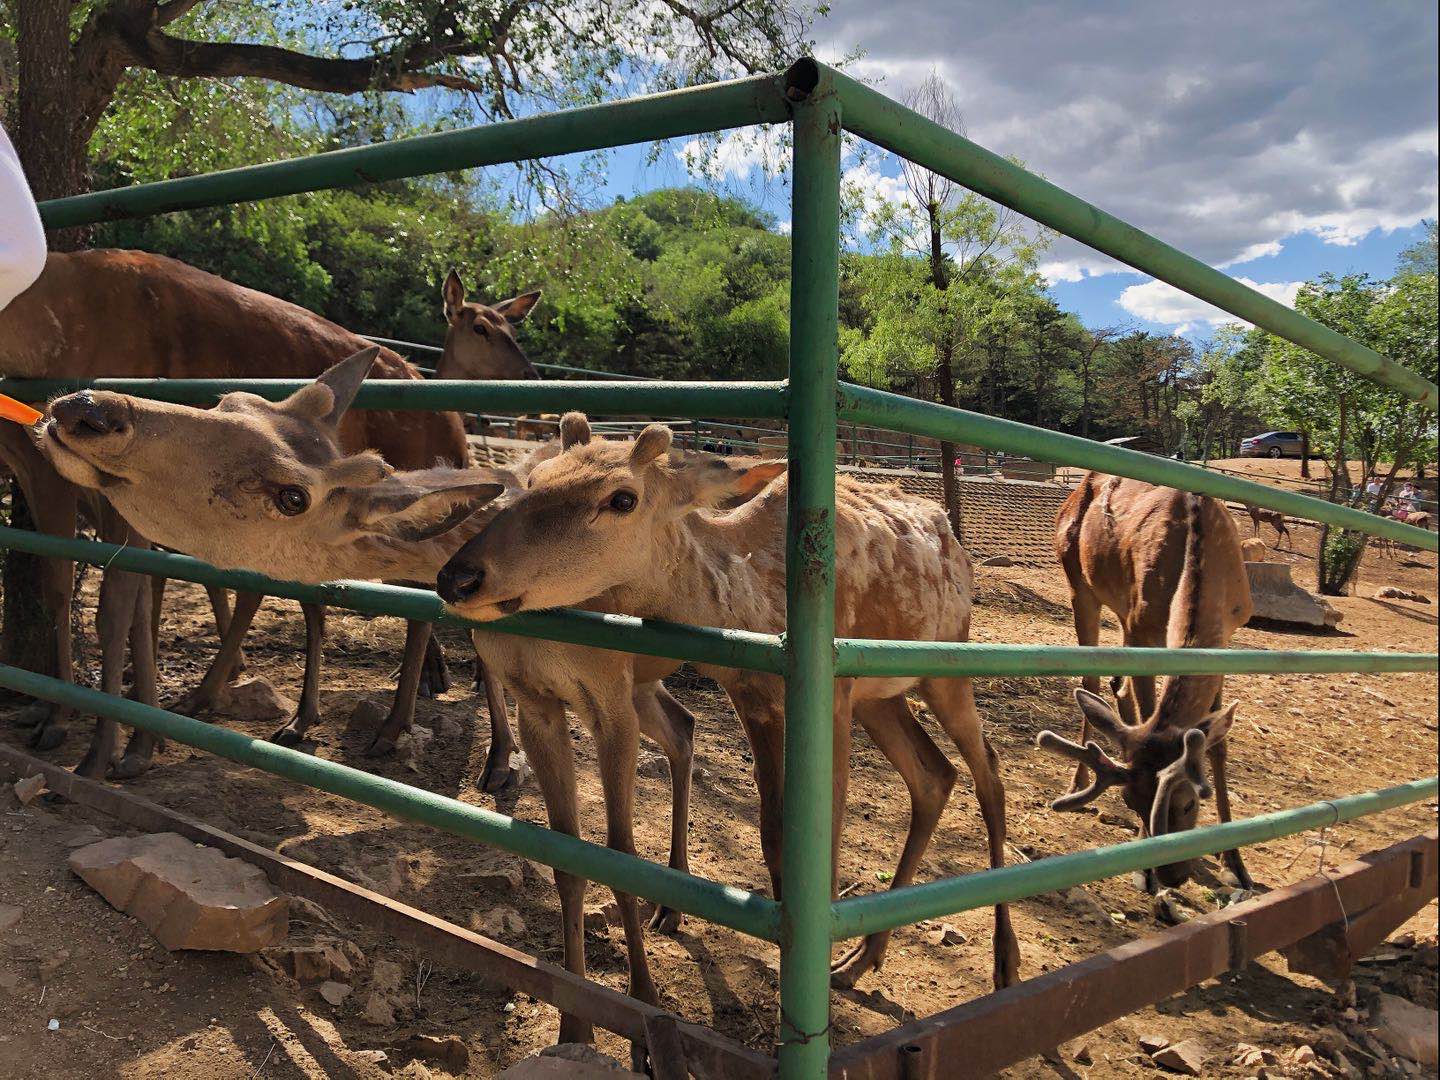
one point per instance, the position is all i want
(454, 293)
(651, 443)
(574, 430)
(424, 505)
(713, 481)
(1217, 724)
(516, 308)
(327, 398)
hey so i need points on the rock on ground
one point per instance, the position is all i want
(451, 1052)
(1186, 1058)
(255, 700)
(28, 787)
(187, 895)
(334, 992)
(1408, 1029)
(1276, 597)
(1390, 592)
(367, 715)
(569, 1061)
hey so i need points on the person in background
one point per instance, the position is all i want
(22, 239)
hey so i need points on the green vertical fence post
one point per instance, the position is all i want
(810, 581)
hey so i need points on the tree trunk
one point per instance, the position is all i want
(1332, 564)
(55, 114)
(1305, 455)
(945, 378)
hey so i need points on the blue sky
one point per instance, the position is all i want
(1277, 141)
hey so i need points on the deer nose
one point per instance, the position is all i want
(84, 415)
(458, 583)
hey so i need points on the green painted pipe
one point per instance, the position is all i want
(860, 657)
(693, 111)
(732, 648)
(899, 413)
(902, 131)
(736, 908)
(859, 915)
(804, 1040)
(752, 400)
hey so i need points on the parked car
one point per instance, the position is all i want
(1275, 444)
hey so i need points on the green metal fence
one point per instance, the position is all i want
(821, 104)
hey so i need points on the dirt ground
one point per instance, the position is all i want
(127, 1008)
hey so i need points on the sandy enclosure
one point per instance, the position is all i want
(127, 1008)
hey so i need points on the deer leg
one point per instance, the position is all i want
(307, 713)
(402, 709)
(497, 774)
(208, 692)
(953, 703)
(220, 605)
(928, 778)
(53, 504)
(1232, 858)
(546, 738)
(672, 727)
(434, 673)
(764, 724)
(140, 750)
(1085, 608)
(114, 618)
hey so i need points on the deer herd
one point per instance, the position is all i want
(309, 489)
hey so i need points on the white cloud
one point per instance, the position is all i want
(1157, 302)
(870, 189)
(1263, 250)
(738, 154)
(1259, 122)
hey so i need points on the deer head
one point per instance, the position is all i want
(1160, 772)
(261, 486)
(480, 342)
(593, 517)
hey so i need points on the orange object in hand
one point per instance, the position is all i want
(18, 411)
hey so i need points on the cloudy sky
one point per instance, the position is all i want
(1275, 139)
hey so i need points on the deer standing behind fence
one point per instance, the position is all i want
(130, 313)
(1168, 564)
(630, 528)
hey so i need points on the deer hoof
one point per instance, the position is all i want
(288, 736)
(90, 767)
(129, 767)
(857, 962)
(497, 775)
(665, 921)
(47, 737)
(380, 746)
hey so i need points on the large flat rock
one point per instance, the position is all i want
(1276, 597)
(187, 895)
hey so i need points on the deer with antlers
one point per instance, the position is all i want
(632, 528)
(1168, 564)
(144, 315)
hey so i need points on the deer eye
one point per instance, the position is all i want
(291, 501)
(480, 328)
(622, 502)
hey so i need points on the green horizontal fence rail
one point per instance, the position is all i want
(754, 400)
(736, 908)
(695, 111)
(820, 103)
(700, 644)
(859, 915)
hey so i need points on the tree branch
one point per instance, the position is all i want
(167, 55)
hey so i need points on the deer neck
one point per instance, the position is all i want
(713, 570)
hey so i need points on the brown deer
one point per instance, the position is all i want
(1168, 564)
(1274, 519)
(130, 313)
(627, 527)
(274, 492)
